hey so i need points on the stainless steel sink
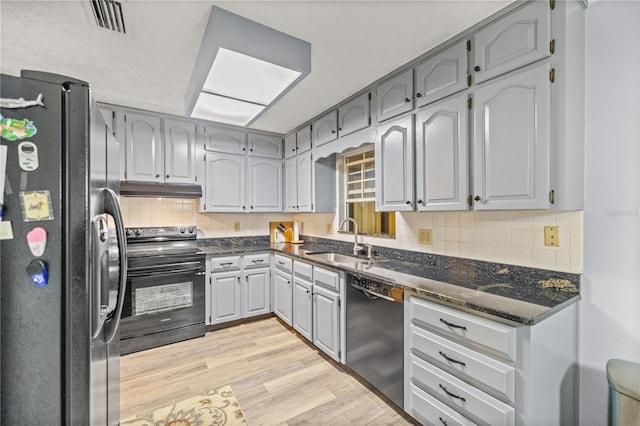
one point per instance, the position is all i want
(336, 257)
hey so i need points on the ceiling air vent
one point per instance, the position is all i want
(108, 14)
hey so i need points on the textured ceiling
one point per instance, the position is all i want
(353, 44)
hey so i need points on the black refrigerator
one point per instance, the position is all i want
(63, 255)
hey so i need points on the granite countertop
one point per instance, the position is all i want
(505, 292)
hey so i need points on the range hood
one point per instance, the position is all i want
(165, 190)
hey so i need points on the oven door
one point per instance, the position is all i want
(160, 302)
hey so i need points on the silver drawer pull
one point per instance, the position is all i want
(226, 264)
(451, 359)
(442, 421)
(461, 327)
(452, 395)
(258, 261)
(165, 319)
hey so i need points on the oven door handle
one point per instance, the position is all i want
(188, 268)
(112, 207)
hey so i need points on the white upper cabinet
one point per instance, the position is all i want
(290, 184)
(264, 185)
(442, 74)
(145, 157)
(290, 146)
(511, 142)
(303, 139)
(222, 139)
(395, 96)
(517, 39)
(354, 115)
(325, 128)
(304, 165)
(179, 152)
(261, 145)
(225, 186)
(394, 166)
(442, 155)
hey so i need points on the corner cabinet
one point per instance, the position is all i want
(225, 183)
(442, 166)
(511, 122)
(394, 153)
(264, 185)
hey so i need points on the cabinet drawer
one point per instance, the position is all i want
(326, 278)
(303, 270)
(486, 373)
(427, 409)
(469, 328)
(471, 401)
(225, 263)
(283, 263)
(256, 260)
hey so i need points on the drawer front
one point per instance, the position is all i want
(256, 260)
(469, 400)
(429, 410)
(326, 278)
(225, 263)
(487, 373)
(283, 263)
(498, 338)
(303, 270)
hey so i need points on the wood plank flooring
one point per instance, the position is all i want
(277, 378)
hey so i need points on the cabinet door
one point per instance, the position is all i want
(291, 184)
(442, 75)
(326, 322)
(441, 155)
(265, 145)
(354, 115)
(143, 139)
(325, 129)
(303, 139)
(282, 298)
(179, 151)
(394, 166)
(221, 139)
(513, 41)
(290, 146)
(265, 185)
(511, 142)
(305, 182)
(302, 307)
(256, 292)
(226, 300)
(225, 189)
(395, 96)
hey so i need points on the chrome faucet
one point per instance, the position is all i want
(356, 247)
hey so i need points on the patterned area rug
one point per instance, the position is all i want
(214, 408)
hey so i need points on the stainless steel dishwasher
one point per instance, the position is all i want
(375, 335)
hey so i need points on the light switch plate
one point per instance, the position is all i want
(425, 236)
(552, 236)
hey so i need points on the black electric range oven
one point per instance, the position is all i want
(165, 296)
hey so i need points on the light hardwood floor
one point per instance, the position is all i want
(276, 377)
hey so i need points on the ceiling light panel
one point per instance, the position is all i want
(225, 110)
(244, 77)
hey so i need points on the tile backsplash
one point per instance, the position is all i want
(512, 237)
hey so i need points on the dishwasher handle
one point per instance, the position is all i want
(372, 294)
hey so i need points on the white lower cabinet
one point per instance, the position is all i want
(302, 299)
(327, 322)
(238, 287)
(282, 288)
(463, 369)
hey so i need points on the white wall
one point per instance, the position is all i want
(610, 322)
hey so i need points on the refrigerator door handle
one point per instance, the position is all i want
(112, 207)
(100, 277)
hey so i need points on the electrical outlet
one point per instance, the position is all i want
(329, 228)
(552, 236)
(236, 226)
(425, 236)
